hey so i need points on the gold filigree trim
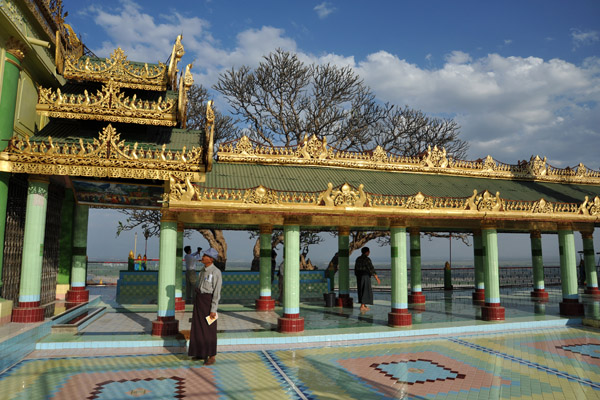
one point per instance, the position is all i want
(484, 201)
(343, 196)
(261, 195)
(119, 69)
(108, 104)
(315, 151)
(107, 155)
(590, 207)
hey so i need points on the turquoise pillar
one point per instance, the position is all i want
(591, 274)
(291, 322)
(537, 263)
(265, 302)
(416, 296)
(78, 293)
(570, 305)
(491, 311)
(399, 316)
(29, 309)
(166, 324)
(15, 54)
(179, 301)
(479, 293)
(344, 299)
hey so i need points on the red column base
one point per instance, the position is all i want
(571, 308)
(77, 295)
(165, 326)
(419, 308)
(399, 317)
(539, 294)
(265, 303)
(179, 304)
(492, 312)
(479, 295)
(416, 298)
(28, 312)
(594, 291)
(344, 300)
(290, 323)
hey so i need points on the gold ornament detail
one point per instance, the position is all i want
(182, 191)
(315, 152)
(261, 195)
(484, 202)
(109, 104)
(344, 196)
(590, 208)
(119, 69)
(105, 156)
(420, 202)
(15, 47)
(542, 206)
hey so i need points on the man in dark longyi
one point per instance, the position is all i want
(203, 336)
(364, 270)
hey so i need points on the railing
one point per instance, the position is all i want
(107, 273)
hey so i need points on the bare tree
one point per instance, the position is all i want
(307, 238)
(284, 99)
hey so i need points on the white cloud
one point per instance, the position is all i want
(324, 9)
(583, 38)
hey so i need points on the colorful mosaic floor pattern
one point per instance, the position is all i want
(537, 364)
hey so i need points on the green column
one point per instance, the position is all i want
(591, 275)
(15, 53)
(399, 268)
(265, 261)
(66, 239)
(33, 240)
(179, 264)
(416, 297)
(167, 266)
(344, 261)
(537, 261)
(490, 266)
(80, 230)
(399, 315)
(291, 273)
(478, 261)
(568, 264)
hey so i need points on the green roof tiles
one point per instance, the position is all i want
(315, 179)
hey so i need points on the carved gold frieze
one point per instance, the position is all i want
(119, 69)
(109, 104)
(344, 196)
(315, 151)
(347, 199)
(105, 156)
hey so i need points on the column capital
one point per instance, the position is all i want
(16, 48)
(265, 229)
(344, 230)
(291, 220)
(180, 226)
(535, 234)
(476, 232)
(168, 216)
(414, 231)
(39, 178)
(565, 226)
(398, 223)
(488, 224)
(587, 234)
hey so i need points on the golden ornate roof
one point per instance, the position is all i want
(108, 104)
(314, 151)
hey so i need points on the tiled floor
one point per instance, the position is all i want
(448, 353)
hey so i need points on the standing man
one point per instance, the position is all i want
(190, 273)
(364, 270)
(203, 335)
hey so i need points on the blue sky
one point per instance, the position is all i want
(520, 77)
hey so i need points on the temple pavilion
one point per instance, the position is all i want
(111, 133)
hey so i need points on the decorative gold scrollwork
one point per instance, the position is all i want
(590, 208)
(313, 148)
(419, 202)
(244, 146)
(343, 197)
(484, 202)
(542, 207)
(537, 166)
(379, 155)
(260, 195)
(182, 191)
(436, 158)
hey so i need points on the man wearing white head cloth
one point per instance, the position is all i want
(203, 335)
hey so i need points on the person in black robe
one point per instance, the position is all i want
(364, 270)
(203, 336)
